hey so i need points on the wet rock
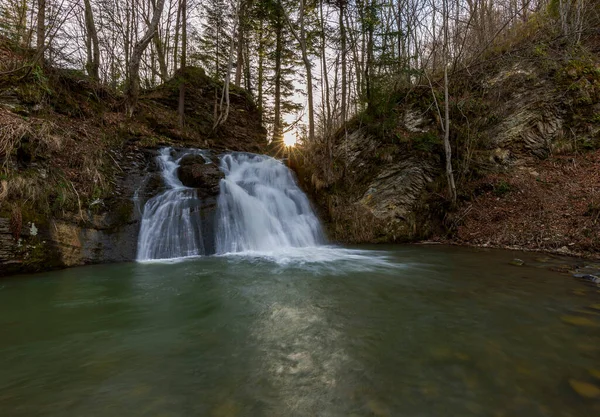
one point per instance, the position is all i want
(196, 173)
(585, 389)
(579, 321)
(517, 262)
(588, 278)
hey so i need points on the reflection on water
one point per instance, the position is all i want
(409, 331)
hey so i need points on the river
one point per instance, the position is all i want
(370, 331)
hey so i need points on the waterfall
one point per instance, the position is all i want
(171, 220)
(261, 208)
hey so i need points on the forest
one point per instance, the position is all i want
(299, 208)
(404, 120)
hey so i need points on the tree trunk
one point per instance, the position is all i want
(369, 64)
(277, 128)
(261, 70)
(93, 58)
(41, 28)
(344, 69)
(240, 44)
(309, 85)
(132, 88)
(161, 58)
(224, 112)
(447, 147)
(181, 104)
(325, 76)
(307, 65)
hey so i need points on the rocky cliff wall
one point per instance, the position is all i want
(75, 172)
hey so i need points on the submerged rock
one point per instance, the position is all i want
(585, 389)
(517, 262)
(195, 172)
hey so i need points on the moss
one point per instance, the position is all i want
(122, 211)
(502, 188)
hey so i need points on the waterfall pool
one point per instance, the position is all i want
(322, 331)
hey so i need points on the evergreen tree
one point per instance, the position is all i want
(213, 45)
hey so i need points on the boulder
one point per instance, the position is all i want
(196, 173)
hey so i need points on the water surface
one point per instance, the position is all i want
(383, 331)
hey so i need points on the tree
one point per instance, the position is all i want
(216, 38)
(132, 89)
(301, 38)
(92, 44)
(181, 102)
(41, 27)
(447, 147)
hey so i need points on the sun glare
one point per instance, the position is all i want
(289, 138)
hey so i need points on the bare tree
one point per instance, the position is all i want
(181, 103)
(92, 44)
(41, 26)
(132, 89)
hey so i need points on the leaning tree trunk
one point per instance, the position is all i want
(132, 88)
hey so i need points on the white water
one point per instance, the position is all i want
(261, 208)
(171, 220)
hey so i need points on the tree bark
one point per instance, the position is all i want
(325, 77)
(447, 147)
(344, 67)
(307, 65)
(181, 103)
(93, 57)
(309, 85)
(132, 89)
(41, 27)
(277, 128)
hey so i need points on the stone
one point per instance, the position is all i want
(517, 262)
(500, 156)
(585, 389)
(588, 277)
(579, 321)
(196, 173)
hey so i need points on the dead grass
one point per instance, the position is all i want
(543, 205)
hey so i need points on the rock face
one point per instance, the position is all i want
(104, 231)
(517, 133)
(377, 195)
(194, 171)
(77, 172)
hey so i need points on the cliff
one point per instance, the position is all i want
(525, 134)
(75, 171)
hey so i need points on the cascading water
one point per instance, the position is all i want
(171, 220)
(261, 208)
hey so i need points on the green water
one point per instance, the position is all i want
(404, 331)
